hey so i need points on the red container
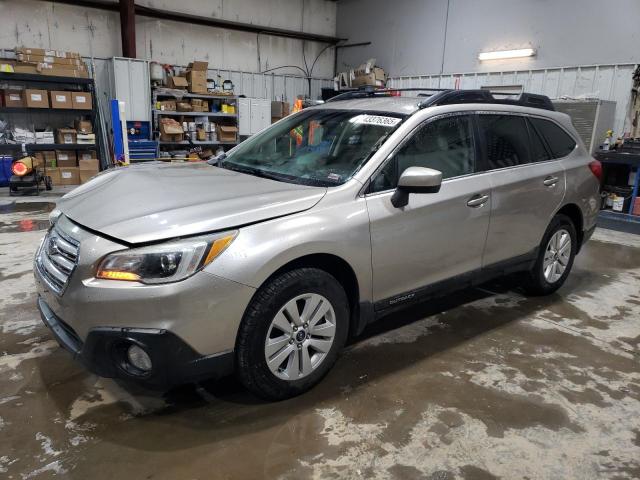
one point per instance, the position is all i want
(636, 206)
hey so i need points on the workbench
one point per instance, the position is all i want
(629, 155)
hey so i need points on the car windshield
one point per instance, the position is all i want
(322, 147)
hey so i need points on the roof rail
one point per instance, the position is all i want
(370, 91)
(445, 96)
(449, 97)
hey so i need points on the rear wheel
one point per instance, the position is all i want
(555, 257)
(291, 333)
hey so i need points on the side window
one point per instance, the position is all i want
(506, 140)
(539, 152)
(560, 143)
(445, 144)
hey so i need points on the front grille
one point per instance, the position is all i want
(56, 259)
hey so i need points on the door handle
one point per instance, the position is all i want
(478, 200)
(550, 181)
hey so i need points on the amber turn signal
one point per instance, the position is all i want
(116, 275)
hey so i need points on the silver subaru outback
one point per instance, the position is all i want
(264, 261)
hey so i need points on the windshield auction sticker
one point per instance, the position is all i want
(379, 120)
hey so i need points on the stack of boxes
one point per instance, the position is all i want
(366, 74)
(194, 80)
(37, 98)
(48, 62)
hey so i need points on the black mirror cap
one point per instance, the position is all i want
(400, 197)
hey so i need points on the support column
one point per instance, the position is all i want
(128, 28)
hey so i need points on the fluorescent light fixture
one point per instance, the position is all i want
(499, 55)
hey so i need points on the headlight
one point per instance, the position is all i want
(166, 262)
(54, 215)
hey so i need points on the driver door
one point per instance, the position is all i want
(437, 236)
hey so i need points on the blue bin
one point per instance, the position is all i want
(5, 170)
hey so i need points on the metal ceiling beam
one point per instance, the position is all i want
(206, 21)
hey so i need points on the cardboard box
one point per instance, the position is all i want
(36, 98)
(54, 173)
(87, 174)
(170, 130)
(184, 107)
(69, 175)
(44, 137)
(375, 76)
(227, 133)
(49, 158)
(66, 158)
(179, 83)
(46, 53)
(86, 155)
(37, 160)
(26, 68)
(86, 138)
(66, 135)
(82, 100)
(89, 164)
(71, 62)
(83, 126)
(60, 99)
(14, 98)
(197, 77)
(279, 109)
(167, 105)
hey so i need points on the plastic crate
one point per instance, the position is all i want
(5, 170)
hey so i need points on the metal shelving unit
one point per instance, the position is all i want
(196, 114)
(196, 142)
(47, 82)
(161, 93)
(38, 147)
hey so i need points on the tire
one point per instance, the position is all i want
(267, 330)
(545, 278)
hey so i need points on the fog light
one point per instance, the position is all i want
(139, 358)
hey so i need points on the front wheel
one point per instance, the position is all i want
(291, 333)
(555, 258)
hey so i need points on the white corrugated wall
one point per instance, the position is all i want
(607, 82)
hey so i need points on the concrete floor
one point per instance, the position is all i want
(483, 384)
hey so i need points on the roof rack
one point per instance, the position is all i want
(370, 91)
(523, 99)
(443, 96)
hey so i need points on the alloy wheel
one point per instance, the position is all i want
(557, 256)
(300, 336)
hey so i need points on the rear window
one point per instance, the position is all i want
(506, 140)
(560, 143)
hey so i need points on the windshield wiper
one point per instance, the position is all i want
(254, 171)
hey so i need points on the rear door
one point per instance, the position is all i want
(527, 185)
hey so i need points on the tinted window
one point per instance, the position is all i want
(445, 144)
(559, 142)
(506, 140)
(539, 152)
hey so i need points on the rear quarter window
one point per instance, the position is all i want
(560, 143)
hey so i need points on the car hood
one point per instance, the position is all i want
(151, 202)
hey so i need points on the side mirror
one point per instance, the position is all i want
(416, 180)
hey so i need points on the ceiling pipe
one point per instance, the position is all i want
(205, 21)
